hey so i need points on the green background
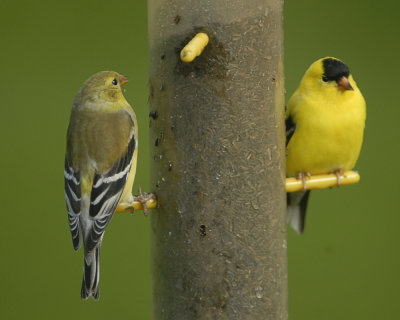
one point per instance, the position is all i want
(347, 264)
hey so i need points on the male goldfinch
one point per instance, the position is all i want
(100, 166)
(325, 120)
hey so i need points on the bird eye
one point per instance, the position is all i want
(324, 78)
(115, 82)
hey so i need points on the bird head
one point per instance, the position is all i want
(104, 85)
(330, 73)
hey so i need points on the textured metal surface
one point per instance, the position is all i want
(217, 148)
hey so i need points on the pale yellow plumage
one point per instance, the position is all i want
(100, 166)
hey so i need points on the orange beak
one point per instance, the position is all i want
(344, 84)
(123, 80)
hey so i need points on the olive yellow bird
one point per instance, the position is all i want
(325, 119)
(100, 166)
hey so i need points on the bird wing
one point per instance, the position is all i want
(106, 192)
(290, 128)
(73, 200)
(296, 201)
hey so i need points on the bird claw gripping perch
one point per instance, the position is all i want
(144, 201)
(338, 173)
(302, 176)
(143, 198)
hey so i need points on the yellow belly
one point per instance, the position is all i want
(325, 140)
(325, 152)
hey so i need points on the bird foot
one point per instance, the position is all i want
(338, 173)
(302, 176)
(143, 198)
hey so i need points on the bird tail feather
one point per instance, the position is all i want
(91, 274)
(296, 210)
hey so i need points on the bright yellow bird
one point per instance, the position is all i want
(325, 120)
(100, 166)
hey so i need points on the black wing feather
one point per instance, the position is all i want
(297, 198)
(73, 201)
(303, 210)
(290, 129)
(106, 192)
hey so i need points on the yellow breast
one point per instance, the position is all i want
(329, 131)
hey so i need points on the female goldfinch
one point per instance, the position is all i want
(100, 166)
(325, 120)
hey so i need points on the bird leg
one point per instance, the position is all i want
(338, 173)
(302, 176)
(143, 198)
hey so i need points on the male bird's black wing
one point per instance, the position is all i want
(73, 201)
(290, 128)
(106, 192)
(296, 201)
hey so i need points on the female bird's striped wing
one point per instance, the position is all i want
(73, 201)
(106, 192)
